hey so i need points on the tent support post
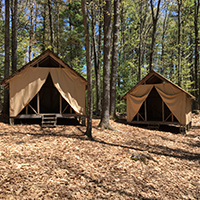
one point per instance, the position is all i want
(163, 111)
(38, 103)
(145, 110)
(26, 109)
(60, 104)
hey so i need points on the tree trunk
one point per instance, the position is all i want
(179, 2)
(31, 30)
(51, 25)
(89, 70)
(96, 66)
(44, 27)
(98, 77)
(7, 52)
(114, 59)
(196, 62)
(58, 26)
(153, 37)
(162, 43)
(104, 123)
(14, 36)
(0, 8)
(36, 30)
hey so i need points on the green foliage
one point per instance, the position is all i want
(135, 31)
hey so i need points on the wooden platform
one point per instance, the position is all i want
(182, 128)
(81, 118)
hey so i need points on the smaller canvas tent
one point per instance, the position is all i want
(155, 99)
(46, 85)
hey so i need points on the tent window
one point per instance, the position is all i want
(154, 80)
(48, 62)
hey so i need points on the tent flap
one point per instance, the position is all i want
(135, 100)
(25, 85)
(177, 101)
(71, 88)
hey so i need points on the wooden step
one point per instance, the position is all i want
(49, 120)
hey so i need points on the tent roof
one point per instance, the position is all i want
(152, 78)
(51, 60)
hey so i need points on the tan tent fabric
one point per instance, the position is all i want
(135, 100)
(188, 112)
(25, 85)
(177, 101)
(174, 99)
(71, 88)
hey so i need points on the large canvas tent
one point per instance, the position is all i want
(46, 85)
(156, 100)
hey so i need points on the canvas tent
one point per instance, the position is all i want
(46, 85)
(155, 99)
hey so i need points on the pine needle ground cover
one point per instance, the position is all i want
(61, 163)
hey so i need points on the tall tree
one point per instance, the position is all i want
(153, 36)
(196, 62)
(31, 30)
(44, 26)
(114, 59)
(58, 25)
(179, 3)
(14, 35)
(98, 67)
(104, 123)
(7, 52)
(51, 24)
(89, 70)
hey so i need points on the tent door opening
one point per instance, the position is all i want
(154, 109)
(48, 100)
(49, 97)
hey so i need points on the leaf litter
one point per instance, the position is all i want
(61, 163)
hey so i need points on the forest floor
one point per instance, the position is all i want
(61, 163)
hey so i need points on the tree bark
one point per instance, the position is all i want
(162, 43)
(51, 25)
(96, 66)
(179, 2)
(44, 27)
(58, 26)
(98, 77)
(153, 37)
(7, 53)
(0, 8)
(196, 62)
(104, 123)
(89, 70)
(114, 59)
(31, 30)
(14, 36)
